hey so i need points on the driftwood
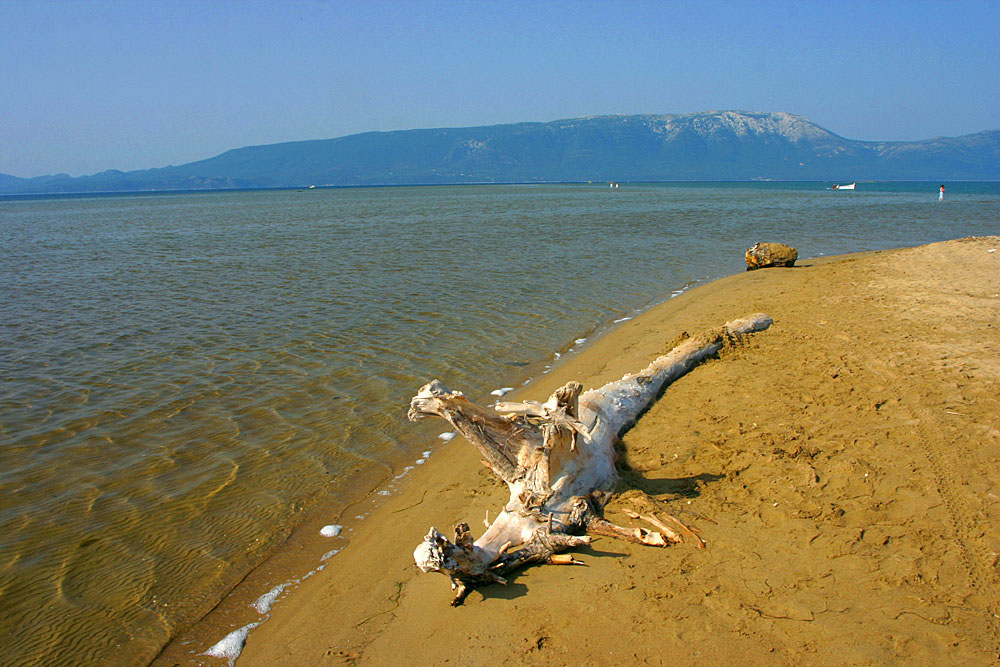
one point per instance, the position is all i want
(558, 460)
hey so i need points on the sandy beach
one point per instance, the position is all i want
(843, 468)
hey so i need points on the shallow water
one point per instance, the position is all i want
(181, 373)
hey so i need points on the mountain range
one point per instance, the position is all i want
(714, 145)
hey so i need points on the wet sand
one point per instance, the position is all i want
(843, 468)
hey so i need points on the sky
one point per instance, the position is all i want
(89, 85)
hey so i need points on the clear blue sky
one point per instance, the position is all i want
(92, 85)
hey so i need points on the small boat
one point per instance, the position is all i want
(849, 186)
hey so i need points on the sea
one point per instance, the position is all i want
(182, 375)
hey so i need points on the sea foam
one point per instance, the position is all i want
(230, 646)
(264, 602)
(330, 531)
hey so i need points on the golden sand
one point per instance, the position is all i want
(843, 468)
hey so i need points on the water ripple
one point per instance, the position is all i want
(180, 373)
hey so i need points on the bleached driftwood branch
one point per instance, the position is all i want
(558, 461)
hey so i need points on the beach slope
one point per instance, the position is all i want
(843, 468)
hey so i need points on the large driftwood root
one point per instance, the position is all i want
(558, 461)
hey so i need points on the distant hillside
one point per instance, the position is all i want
(714, 145)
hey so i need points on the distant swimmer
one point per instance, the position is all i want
(941, 194)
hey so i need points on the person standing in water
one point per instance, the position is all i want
(941, 194)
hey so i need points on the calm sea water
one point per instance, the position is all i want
(181, 373)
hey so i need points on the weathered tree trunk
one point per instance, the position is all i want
(558, 460)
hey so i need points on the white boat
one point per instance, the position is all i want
(849, 186)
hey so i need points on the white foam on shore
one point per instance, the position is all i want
(403, 474)
(230, 646)
(264, 602)
(576, 343)
(422, 460)
(330, 531)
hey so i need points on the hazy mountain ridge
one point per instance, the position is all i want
(714, 145)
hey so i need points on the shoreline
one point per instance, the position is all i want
(293, 560)
(370, 588)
